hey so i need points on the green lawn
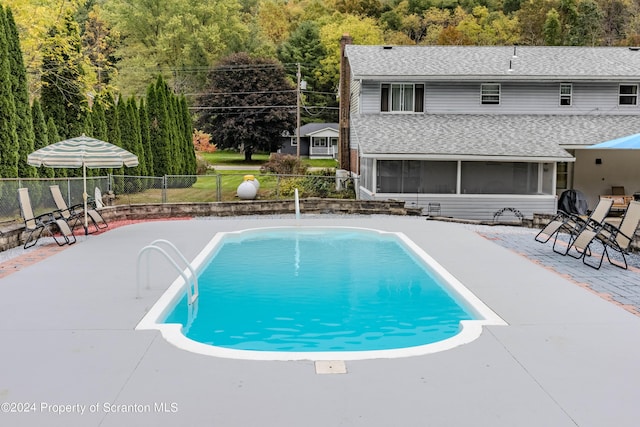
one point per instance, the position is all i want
(234, 158)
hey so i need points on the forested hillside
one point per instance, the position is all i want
(138, 72)
(125, 44)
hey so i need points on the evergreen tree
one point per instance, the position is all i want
(113, 133)
(136, 148)
(145, 138)
(41, 135)
(158, 130)
(551, 30)
(24, 123)
(304, 47)
(54, 136)
(99, 121)
(8, 135)
(191, 165)
(126, 135)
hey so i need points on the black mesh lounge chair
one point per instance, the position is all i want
(573, 225)
(610, 237)
(35, 225)
(75, 214)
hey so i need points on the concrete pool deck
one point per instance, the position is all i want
(568, 357)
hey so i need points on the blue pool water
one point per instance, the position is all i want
(315, 290)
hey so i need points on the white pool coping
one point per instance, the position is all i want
(470, 330)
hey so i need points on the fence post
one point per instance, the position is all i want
(218, 187)
(164, 189)
(69, 192)
(278, 187)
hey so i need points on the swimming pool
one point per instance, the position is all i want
(319, 293)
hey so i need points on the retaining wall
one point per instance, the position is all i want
(12, 235)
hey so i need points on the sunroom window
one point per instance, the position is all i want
(402, 98)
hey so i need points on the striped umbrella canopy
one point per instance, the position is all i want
(84, 152)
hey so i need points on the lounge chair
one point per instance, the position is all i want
(75, 213)
(35, 225)
(573, 225)
(610, 237)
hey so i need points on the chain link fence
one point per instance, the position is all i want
(127, 189)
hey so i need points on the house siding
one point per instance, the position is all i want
(476, 207)
(355, 97)
(515, 98)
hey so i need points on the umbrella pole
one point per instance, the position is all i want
(84, 197)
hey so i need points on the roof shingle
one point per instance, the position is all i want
(484, 62)
(522, 136)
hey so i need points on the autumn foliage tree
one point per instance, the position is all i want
(248, 104)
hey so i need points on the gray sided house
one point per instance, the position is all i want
(317, 141)
(480, 129)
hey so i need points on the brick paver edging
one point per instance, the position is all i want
(38, 253)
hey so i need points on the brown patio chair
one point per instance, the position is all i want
(573, 225)
(611, 238)
(35, 225)
(75, 213)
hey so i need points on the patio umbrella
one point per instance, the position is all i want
(629, 142)
(84, 152)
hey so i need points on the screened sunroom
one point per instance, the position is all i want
(466, 173)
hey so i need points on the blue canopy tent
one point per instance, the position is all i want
(629, 142)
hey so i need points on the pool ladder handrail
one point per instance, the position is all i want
(192, 293)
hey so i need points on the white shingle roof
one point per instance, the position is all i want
(458, 135)
(487, 62)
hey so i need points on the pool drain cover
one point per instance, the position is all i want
(331, 367)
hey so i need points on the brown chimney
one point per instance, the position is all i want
(345, 100)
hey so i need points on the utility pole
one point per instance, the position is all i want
(299, 76)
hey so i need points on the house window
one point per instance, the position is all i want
(402, 98)
(490, 93)
(319, 142)
(628, 95)
(565, 93)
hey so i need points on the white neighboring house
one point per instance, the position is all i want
(479, 129)
(317, 141)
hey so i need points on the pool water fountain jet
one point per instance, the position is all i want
(297, 204)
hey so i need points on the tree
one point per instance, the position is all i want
(159, 138)
(532, 16)
(252, 103)
(41, 135)
(551, 30)
(186, 127)
(54, 136)
(304, 47)
(616, 14)
(587, 29)
(63, 87)
(174, 38)
(362, 31)
(24, 123)
(145, 137)
(8, 135)
(99, 47)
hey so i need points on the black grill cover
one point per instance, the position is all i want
(573, 201)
